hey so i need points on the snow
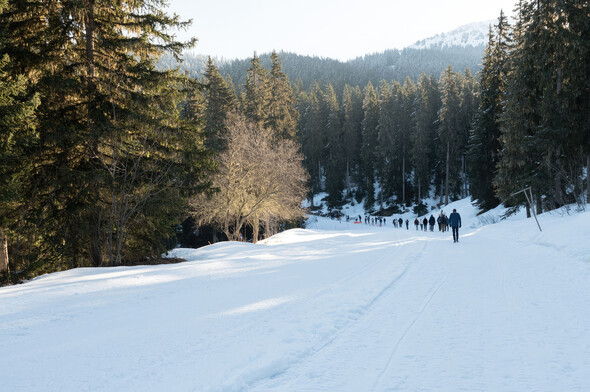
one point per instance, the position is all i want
(473, 34)
(335, 307)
